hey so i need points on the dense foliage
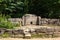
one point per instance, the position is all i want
(43, 8)
(4, 23)
(14, 8)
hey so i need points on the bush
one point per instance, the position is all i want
(4, 23)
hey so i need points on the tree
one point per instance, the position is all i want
(45, 8)
(14, 8)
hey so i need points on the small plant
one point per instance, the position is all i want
(4, 23)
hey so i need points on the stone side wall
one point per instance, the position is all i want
(46, 30)
(42, 21)
(49, 21)
(16, 21)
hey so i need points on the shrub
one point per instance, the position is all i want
(4, 23)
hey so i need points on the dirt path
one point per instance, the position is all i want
(30, 39)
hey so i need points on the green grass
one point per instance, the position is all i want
(38, 35)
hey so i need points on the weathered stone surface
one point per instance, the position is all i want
(31, 19)
(9, 31)
(26, 33)
(2, 30)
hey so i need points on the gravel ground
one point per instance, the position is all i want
(30, 39)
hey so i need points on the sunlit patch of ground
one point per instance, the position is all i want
(36, 26)
(30, 39)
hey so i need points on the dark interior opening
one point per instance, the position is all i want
(31, 22)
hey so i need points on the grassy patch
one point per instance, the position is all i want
(42, 35)
(38, 35)
(5, 35)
